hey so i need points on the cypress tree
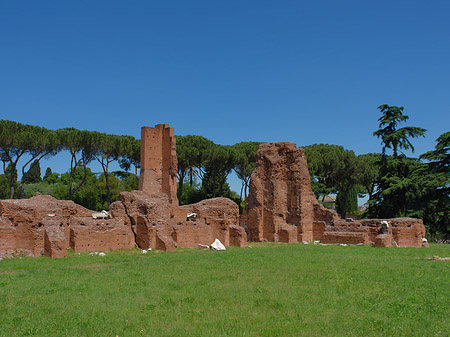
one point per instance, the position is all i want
(34, 173)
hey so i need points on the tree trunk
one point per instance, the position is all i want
(11, 191)
(72, 169)
(105, 172)
(11, 181)
(108, 194)
(180, 186)
(82, 181)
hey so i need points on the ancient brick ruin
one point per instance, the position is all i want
(148, 218)
(159, 161)
(43, 225)
(281, 207)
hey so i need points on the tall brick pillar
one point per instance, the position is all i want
(159, 161)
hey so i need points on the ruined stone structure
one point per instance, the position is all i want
(43, 225)
(157, 224)
(149, 218)
(281, 207)
(159, 161)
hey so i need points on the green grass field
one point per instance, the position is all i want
(267, 290)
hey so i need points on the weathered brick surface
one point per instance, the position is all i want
(55, 242)
(287, 233)
(159, 161)
(23, 223)
(154, 221)
(87, 235)
(345, 237)
(383, 240)
(280, 195)
(237, 236)
(148, 218)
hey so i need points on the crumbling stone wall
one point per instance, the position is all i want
(148, 218)
(43, 225)
(154, 220)
(281, 207)
(159, 161)
(280, 194)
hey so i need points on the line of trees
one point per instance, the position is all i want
(208, 164)
(395, 184)
(199, 159)
(33, 143)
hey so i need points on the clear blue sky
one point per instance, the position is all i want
(301, 71)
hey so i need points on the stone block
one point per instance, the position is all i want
(287, 234)
(55, 242)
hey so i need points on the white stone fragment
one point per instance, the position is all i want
(192, 216)
(101, 254)
(101, 215)
(217, 245)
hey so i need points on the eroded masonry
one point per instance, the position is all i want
(281, 207)
(159, 161)
(148, 218)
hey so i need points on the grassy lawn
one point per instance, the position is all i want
(267, 290)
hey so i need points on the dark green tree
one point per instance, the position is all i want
(333, 170)
(402, 186)
(48, 173)
(440, 157)
(15, 141)
(218, 165)
(346, 177)
(4, 187)
(111, 148)
(351, 200)
(401, 180)
(82, 146)
(369, 175)
(245, 163)
(50, 177)
(44, 143)
(24, 141)
(132, 156)
(369, 165)
(436, 214)
(5, 182)
(391, 136)
(322, 159)
(192, 154)
(34, 173)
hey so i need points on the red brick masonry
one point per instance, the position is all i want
(281, 207)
